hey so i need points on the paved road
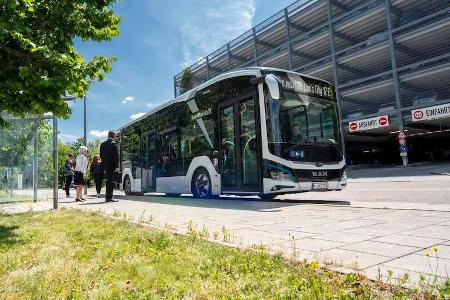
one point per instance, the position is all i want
(389, 184)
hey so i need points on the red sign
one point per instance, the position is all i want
(418, 115)
(431, 112)
(370, 123)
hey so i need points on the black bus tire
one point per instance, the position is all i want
(201, 184)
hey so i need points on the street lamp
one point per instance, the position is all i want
(73, 98)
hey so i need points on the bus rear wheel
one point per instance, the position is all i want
(201, 184)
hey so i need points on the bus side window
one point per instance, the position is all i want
(169, 154)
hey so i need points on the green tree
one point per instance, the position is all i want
(38, 61)
(64, 148)
(186, 82)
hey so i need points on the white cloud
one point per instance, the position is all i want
(98, 133)
(136, 116)
(213, 27)
(127, 99)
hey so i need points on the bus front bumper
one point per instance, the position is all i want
(280, 187)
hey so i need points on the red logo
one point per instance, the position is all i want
(383, 121)
(418, 114)
(353, 126)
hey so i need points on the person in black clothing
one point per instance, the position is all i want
(110, 160)
(68, 173)
(96, 170)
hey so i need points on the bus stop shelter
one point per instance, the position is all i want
(29, 159)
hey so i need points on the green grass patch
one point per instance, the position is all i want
(77, 255)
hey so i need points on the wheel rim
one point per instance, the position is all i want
(202, 185)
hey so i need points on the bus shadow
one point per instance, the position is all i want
(231, 203)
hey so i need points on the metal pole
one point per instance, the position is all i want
(35, 164)
(255, 47)
(288, 38)
(207, 68)
(388, 8)
(393, 63)
(229, 56)
(335, 72)
(55, 162)
(85, 135)
(175, 86)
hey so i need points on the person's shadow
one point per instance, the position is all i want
(7, 235)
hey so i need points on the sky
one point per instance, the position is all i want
(157, 39)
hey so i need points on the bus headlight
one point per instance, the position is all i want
(279, 172)
(280, 175)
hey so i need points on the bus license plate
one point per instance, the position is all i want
(320, 186)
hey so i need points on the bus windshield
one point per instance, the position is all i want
(303, 128)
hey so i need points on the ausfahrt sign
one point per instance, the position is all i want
(432, 112)
(371, 123)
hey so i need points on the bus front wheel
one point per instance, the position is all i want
(201, 184)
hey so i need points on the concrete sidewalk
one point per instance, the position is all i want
(23, 207)
(338, 235)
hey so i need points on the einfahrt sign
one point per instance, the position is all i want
(430, 113)
(371, 123)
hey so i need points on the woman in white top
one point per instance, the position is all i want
(80, 172)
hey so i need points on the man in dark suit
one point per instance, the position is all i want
(109, 155)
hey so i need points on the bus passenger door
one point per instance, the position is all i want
(239, 151)
(148, 162)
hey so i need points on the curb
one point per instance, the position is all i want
(440, 173)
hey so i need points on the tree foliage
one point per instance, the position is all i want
(38, 61)
(186, 82)
(64, 148)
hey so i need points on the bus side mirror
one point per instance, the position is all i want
(274, 86)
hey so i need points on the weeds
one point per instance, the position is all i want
(293, 245)
(141, 218)
(226, 235)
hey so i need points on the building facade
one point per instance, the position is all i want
(389, 61)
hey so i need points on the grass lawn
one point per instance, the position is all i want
(75, 254)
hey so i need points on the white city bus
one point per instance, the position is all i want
(253, 131)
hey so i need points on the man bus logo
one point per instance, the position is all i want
(418, 115)
(353, 126)
(319, 173)
(382, 121)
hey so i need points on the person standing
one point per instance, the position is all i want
(96, 170)
(109, 155)
(68, 174)
(80, 173)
